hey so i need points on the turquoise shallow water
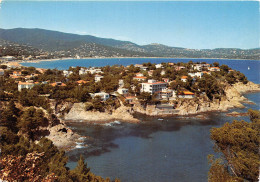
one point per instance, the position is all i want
(172, 149)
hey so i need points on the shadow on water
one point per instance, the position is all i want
(101, 137)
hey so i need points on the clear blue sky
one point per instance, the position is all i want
(197, 24)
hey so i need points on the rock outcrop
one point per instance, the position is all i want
(78, 112)
(232, 99)
(62, 136)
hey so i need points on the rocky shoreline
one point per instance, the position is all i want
(185, 107)
(233, 99)
(65, 138)
(78, 112)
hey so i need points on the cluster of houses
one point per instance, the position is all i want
(160, 88)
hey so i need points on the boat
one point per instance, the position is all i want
(248, 68)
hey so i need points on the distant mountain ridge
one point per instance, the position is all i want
(49, 40)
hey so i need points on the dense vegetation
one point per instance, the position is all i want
(238, 144)
(23, 159)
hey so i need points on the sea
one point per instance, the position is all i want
(159, 149)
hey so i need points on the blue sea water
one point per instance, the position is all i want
(168, 149)
(242, 65)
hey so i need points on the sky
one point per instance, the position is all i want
(193, 24)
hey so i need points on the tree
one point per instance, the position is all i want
(30, 120)
(81, 172)
(9, 116)
(216, 64)
(238, 142)
(224, 68)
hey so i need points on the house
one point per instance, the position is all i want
(139, 74)
(17, 73)
(152, 86)
(66, 73)
(80, 82)
(166, 94)
(130, 99)
(214, 69)
(178, 68)
(144, 68)
(140, 78)
(158, 66)
(197, 67)
(26, 85)
(2, 72)
(184, 78)
(98, 78)
(198, 74)
(122, 91)
(200, 66)
(186, 95)
(162, 72)
(58, 84)
(104, 96)
(90, 70)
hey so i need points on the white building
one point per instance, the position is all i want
(66, 73)
(25, 85)
(152, 86)
(198, 74)
(162, 72)
(158, 66)
(98, 78)
(198, 67)
(122, 91)
(104, 96)
(90, 70)
(167, 94)
(214, 69)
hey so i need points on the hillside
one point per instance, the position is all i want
(87, 45)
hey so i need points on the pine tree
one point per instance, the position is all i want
(81, 172)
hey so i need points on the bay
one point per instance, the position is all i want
(158, 149)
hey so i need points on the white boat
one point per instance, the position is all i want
(248, 68)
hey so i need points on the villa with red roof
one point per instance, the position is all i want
(186, 95)
(184, 78)
(140, 78)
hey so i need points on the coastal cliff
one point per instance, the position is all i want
(78, 112)
(232, 99)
